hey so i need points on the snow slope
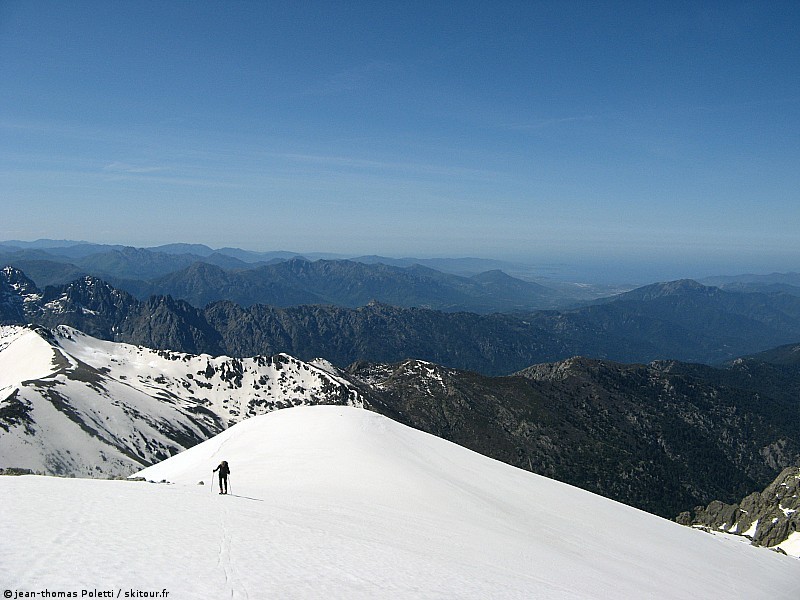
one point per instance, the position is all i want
(334, 502)
(71, 404)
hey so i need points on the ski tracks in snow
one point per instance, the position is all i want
(232, 580)
(72, 537)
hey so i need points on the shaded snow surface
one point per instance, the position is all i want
(336, 502)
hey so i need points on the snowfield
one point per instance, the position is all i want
(337, 502)
(71, 404)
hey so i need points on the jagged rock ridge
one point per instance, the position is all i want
(683, 321)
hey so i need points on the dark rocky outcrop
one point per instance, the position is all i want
(767, 518)
(19, 297)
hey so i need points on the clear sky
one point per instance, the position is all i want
(661, 134)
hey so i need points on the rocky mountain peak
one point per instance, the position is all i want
(90, 288)
(18, 295)
(87, 295)
(17, 281)
(576, 366)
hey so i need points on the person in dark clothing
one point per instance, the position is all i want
(224, 471)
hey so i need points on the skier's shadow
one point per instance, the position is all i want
(245, 497)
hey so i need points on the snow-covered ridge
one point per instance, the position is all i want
(73, 404)
(233, 388)
(331, 502)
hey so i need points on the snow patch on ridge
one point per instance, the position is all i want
(73, 404)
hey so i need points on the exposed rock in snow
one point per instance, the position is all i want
(71, 404)
(770, 518)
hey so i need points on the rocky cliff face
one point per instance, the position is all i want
(769, 518)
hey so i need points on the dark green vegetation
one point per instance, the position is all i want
(663, 437)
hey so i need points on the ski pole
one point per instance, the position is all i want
(212, 482)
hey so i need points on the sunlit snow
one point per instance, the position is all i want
(83, 406)
(335, 502)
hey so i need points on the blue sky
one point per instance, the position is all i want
(661, 136)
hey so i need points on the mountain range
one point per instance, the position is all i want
(664, 437)
(200, 275)
(74, 405)
(681, 320)
(774, 282)
(471, 284)
(637, 419)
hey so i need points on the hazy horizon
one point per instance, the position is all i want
(597, 270)
(615, 140)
